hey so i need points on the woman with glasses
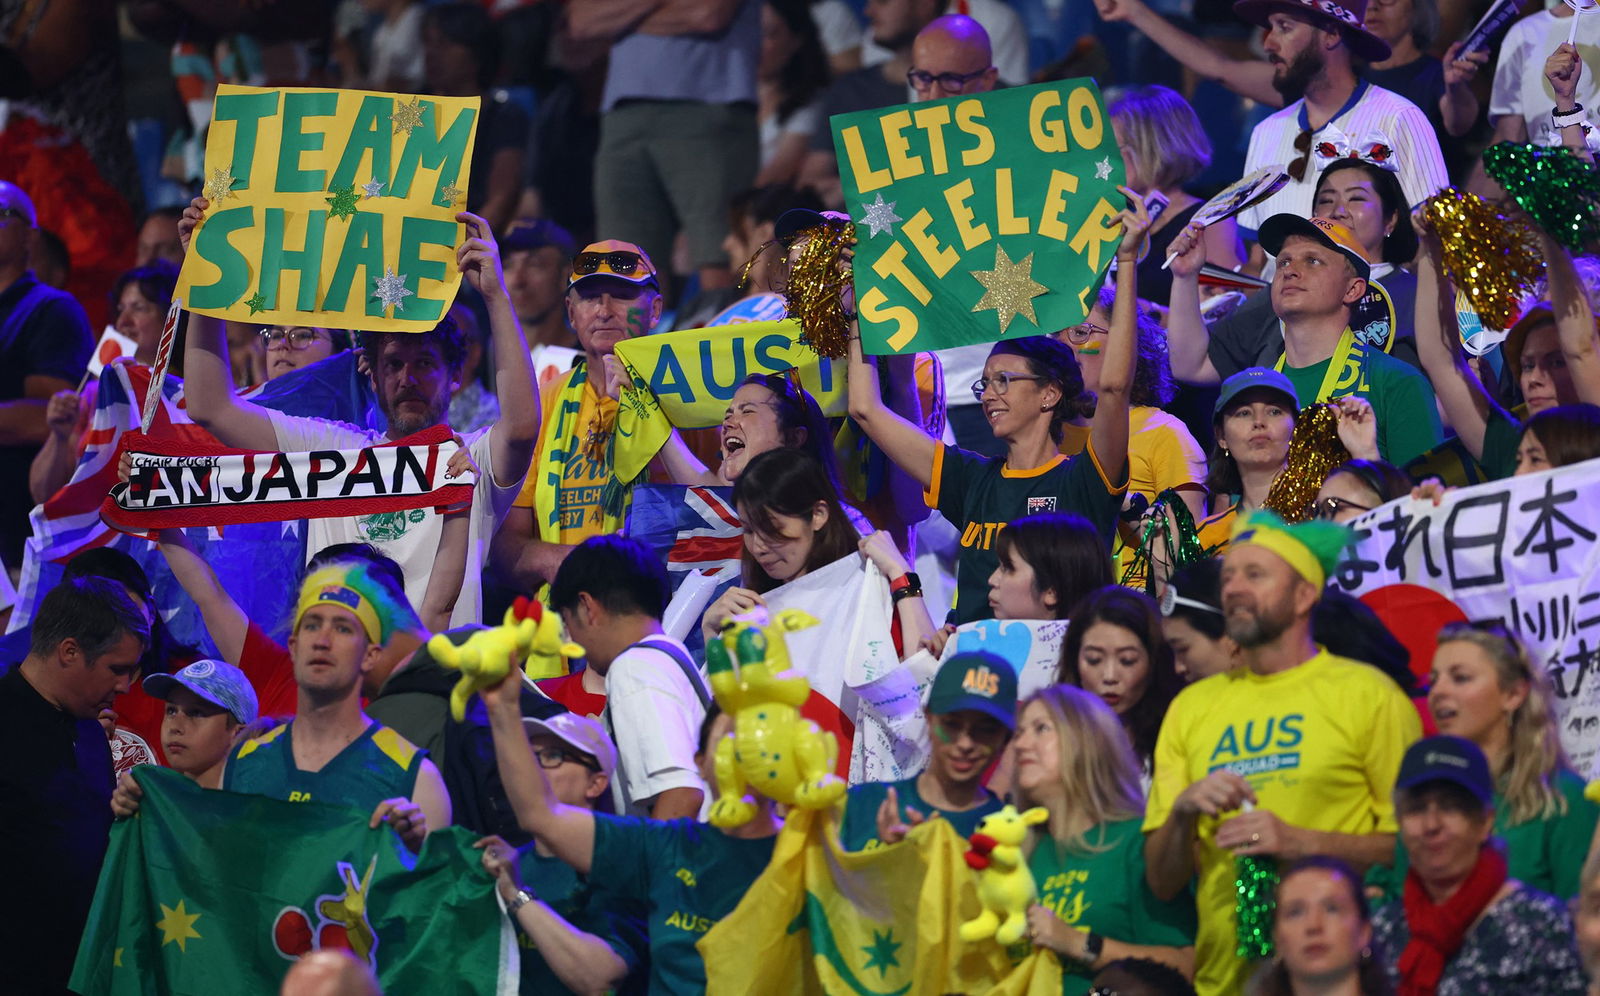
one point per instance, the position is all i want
(1095, 907)
(290, 348)
(1486, 688)
(1322, 931)
(1030, 389)
(139, 303)
(1356, 487)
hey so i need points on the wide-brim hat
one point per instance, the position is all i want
(1349, 16)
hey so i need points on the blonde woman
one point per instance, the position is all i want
(1485, 688)
(1073, 758)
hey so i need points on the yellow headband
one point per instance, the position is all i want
(331, 586)
(1250, 530)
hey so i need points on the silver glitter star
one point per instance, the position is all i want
(392, 289)
(373, 187)
(1102, 169)
(880, 217)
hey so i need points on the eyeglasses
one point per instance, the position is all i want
(1001, 382)
(1080, 334)
(921, 79)
(621, 262)
(295, 339)
(1302, 145)
(555, 757)
(1328, 508)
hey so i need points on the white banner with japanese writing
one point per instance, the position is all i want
(1522, 551)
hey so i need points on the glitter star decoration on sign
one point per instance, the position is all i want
(449, 194)
(1102, 169)
(256, 302)
(220, 185)
(407, 117)
(372, 188)
(343, 202)
(880, 217)
(392, 290)
(1009, 288)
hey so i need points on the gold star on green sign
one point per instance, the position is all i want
(881, 952)
(255, 302)
(343, 202)
(450, 193)
(116, 958)
(1009, 288)
(406, 116)
(177, 924)
(220, 185)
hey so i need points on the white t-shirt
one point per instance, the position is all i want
(803, 121)
(1519, 84)
(397, 50)
(411, 538)
(963, 365)
(1008, 39)
(654, 715)
(1380, 111)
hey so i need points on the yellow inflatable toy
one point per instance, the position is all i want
(1005, 885)
(772, 749)
(529, 633)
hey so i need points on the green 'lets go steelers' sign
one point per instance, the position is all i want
(980, 217)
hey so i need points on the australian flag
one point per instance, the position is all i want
(692, 528)
(257, 563)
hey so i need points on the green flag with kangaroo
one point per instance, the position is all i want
(207, 892)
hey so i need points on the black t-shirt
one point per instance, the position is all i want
(1251, 337)
(43, 332)
(56, 780)
(862, 90)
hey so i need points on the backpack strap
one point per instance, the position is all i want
(685, 664)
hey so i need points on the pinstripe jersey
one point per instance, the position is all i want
(1370, 110)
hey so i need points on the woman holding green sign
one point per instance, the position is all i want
(1030, 388)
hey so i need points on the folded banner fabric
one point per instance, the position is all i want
(174, 484)
(207, 892)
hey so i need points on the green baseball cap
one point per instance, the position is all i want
(979, 682)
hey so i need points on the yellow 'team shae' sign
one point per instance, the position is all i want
(331, 208)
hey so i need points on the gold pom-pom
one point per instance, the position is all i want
(1495, 259)
(813, 281)
(1314, 449)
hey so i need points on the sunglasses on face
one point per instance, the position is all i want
(621, 262)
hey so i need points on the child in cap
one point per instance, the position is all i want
(972, 709)
(209, 703)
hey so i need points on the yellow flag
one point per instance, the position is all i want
(877, 923)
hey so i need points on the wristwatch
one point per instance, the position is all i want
(1093, 945)
(521, 899)
(907, 585)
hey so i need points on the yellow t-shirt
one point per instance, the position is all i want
(1319, 743)
(585, 473)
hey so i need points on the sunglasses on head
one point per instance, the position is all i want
(621, 262)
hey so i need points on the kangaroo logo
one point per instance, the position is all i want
(341, 921)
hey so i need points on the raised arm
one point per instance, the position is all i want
(53, 465)
(584, 962)
(1466, 404)
(1575, 325)
(1458, 106)
(516, 432)
(567, 830)
(910, 449)
(682, 466)
(208, 377)
(1247, 78)
(1108, 431)
(1188, 340)
(224, 619)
